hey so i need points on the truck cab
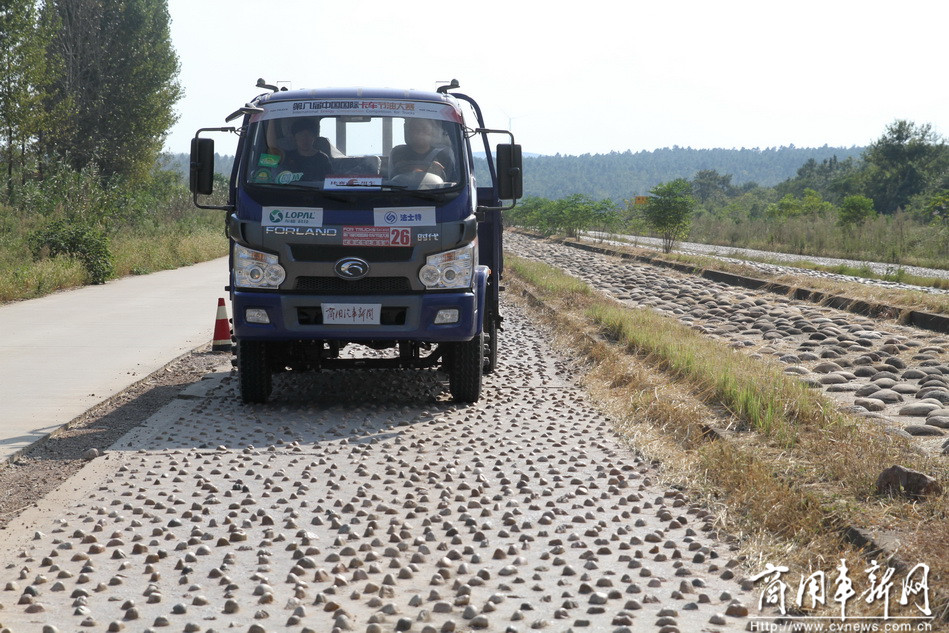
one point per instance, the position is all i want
(355, 219)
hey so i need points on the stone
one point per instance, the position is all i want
(867, 390)
(939, 421)
(870, 404)
(90, 454)
(897, 480)
(888, 396)
(940, 395)
(918, 409)
(736, 610)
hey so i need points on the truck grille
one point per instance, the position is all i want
(314, 316)
(324, 253)
(367, 285)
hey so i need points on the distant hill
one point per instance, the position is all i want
(620, 176)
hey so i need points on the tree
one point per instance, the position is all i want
(669, 212)
(855, 210)
(710, 186)
(580, 212)
(119, 74)
(810, 203)
(831, 178)
(904, 162)
(22, 59)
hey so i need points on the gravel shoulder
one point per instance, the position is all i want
(44, 465)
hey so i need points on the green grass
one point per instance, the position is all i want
(547, 279)
(757, 393)
(143, 254)
(164, 245)
(900, 239)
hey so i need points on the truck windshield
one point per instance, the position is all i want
(323, 145)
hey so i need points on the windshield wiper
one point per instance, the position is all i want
(304, 188)
(418, 193)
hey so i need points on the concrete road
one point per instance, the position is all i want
(64, 353)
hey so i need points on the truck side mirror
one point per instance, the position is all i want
(510, 172)
(201, 178)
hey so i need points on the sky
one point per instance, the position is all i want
(589, 77)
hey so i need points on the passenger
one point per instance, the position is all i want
(305, 158)
(418, 154)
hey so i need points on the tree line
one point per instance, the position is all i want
(88, 84)
(888, 203)
(622, 175)
(86, 101)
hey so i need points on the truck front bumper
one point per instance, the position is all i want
(408, 317)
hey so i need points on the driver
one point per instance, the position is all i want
(418, 154)
(304, 157)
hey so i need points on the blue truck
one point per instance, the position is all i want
(354, 218)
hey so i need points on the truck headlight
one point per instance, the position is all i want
(451, 269)
(253, 269)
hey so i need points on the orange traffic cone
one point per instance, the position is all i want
(222, 331)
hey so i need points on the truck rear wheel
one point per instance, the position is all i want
(253, 371)
(465, 366)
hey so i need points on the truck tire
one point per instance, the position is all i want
(253, 371)
(465, 366)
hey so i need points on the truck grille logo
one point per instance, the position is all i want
(351, 268)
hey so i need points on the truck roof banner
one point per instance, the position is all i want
(359, 107)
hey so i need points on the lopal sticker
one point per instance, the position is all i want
(377, 236)
(291, 216)
(404, 216)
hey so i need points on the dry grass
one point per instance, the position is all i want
(35, 279)
(133, 254)
(786, 472)
(137, 255)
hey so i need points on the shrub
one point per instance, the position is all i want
(669, 212)
(855, 210)
(86, 243)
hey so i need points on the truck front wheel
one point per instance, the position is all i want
(253, 371)
(465, 366)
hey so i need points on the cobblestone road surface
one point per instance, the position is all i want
(894, 376)
(367, 501)
(747, 256)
